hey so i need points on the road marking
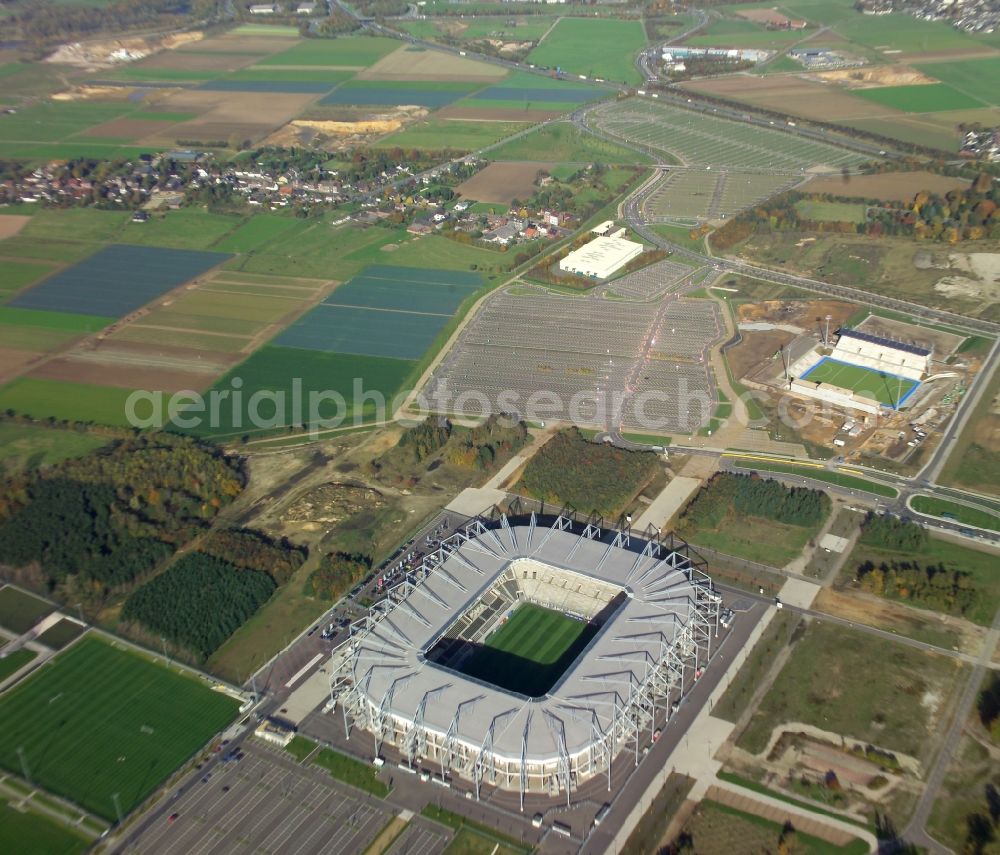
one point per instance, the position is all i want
(781, 460)
(298, 675)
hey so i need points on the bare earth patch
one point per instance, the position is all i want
(123, 375)
(11, 224)
(485, 114)
(879, 75)
(503, 182)
(763, 16)
(406, 63)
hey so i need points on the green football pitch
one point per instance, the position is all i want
(885, 388)
(529, 653)
(100, 720)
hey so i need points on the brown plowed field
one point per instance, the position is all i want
(794, 95)
(123, 376)
(405, 63)
(503, 182)
(241, 44)
(482, 114)
(762, 16)
(166, 354)
(190, 60)
(128, 128)
(13, 360)
(11, 224)
(224, 114)
(890, 186)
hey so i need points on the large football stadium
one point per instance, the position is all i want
(526, 653)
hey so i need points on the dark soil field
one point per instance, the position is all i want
(503, 182)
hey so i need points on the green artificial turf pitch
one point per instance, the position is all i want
(884, 388)
(100, 720)
(530, 652)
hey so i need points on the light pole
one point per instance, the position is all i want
(118, 807)
(24, 764)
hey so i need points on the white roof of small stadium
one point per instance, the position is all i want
(389, 669)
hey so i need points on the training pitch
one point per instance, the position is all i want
(889, 389)
(101, 722)
(530, 651)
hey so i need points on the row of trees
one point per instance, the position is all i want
(199, 602)
(589, 476)
(931, 585)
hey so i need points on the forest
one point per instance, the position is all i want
(754, 496)
(885, 531)
(590, 477)
(86, 527)
(198, 602)
(255, 550)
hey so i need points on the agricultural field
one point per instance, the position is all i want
(347, 52)
(65, 401)
(332, 378)
(526, 92)
(429, 94)
(862, 687)
(392, 312)
(920, 98)
(975, 78)
(530, 651)
(504, 182)
(698, 139)
(455, 134)
(580, 45)
(117, 280)
(563, 142)
(101, 720)
(885, 388)
(887, 186)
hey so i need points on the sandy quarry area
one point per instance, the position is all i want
(870, 77)
(977, 275)
(108, 52)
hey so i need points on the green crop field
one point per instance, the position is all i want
(272, 371)
(100, 720)
(978, 78)
(255, 232)
(529, 653)
(564, 142)
(451, 134)
(15, 275)
(27, 832)
(884, 388)
(75, 402)
(580, 45)
(347, 51)
(20, 611)
(185, 228)
(740, 33)
(919, 98)
(900, 32)
(28, 446)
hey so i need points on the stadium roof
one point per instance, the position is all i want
(389, 667)
(885, 342)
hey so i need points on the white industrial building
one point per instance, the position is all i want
(882, 354)
(601, 257)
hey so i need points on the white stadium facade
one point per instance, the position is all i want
(655, 616)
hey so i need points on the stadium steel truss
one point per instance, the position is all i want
(654, 639)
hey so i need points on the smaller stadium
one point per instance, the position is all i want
(527, 652)
(863, 372)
